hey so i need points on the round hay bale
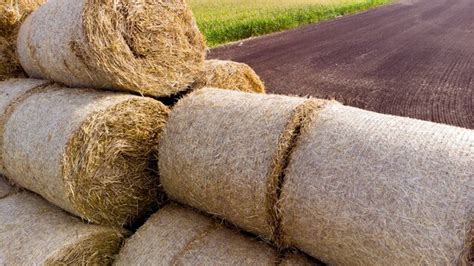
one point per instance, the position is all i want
(87, 151)
(363, 188)
(179, 236)
(34, 232)
(223, 151)
(230, 76)
(12, 14)
(150, 47)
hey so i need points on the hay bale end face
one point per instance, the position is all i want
(365, 188)
(33, 232)
(12, 14)
(222, 152)
(177, 235)
(86, 151)
(230, 76)
(150, 47)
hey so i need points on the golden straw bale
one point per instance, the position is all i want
(369, 189)
(87, 151)
(223, 151)
(150, 47)
(231, 76)
(179, 236)
(12, 14)
(33, 232)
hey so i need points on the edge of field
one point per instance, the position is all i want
(219, 32)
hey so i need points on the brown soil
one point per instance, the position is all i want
(413, 59)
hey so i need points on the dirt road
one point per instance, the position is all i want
(412, 59)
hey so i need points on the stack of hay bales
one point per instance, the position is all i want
(179, 236)
(96, 147)
(12, 14)
(345, 185)
(88, 152)
(35, 232)
(93, 153)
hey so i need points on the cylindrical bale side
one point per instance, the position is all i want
(12, 14)
(223, 151)
(172, 228)
(88, 152)
(150, 47)
(179, 236)
(8, 98)
(368, 189)
(33, 232)
(230, 76)
(11, 96)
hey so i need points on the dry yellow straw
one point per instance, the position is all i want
(12, 14)
(179, 236)
(359, 187)
(86, 151)
(33, 232)
(369, 189)
(222, 152)
(150, 47)
(231, 76)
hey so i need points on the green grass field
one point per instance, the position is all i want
(223, 21)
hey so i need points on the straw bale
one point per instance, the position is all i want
(222, 152)
(87, 151)
(12, 14)
(33, 232)
(231, 76)
(150, 47)
(176, 235)
(369, 189)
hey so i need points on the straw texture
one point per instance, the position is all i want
(12, 14)
(33, 232)
(179, 236)
(368, 189)
(5, 188)
(86, 151)
(231, 76)
(150, 47)
(222, 152)
(293, 259)
(9, 97)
